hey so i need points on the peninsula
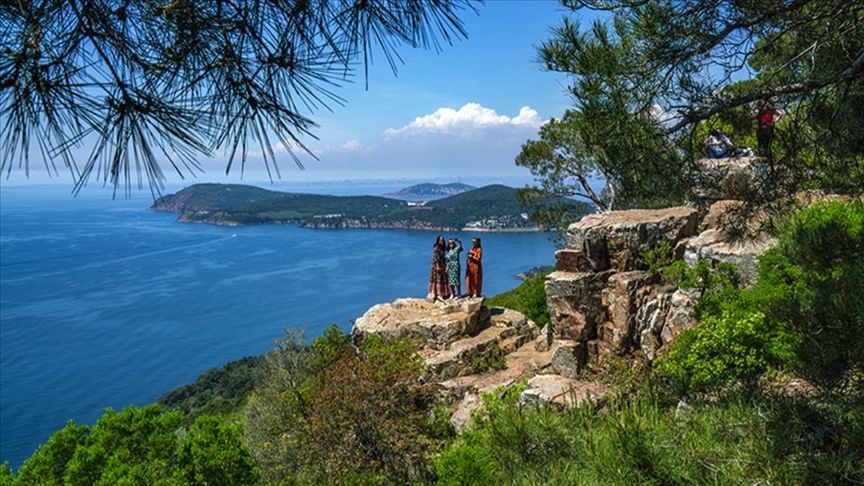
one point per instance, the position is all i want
(429, 189)
(490, 208)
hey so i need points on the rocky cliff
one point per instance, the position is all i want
(603, 303)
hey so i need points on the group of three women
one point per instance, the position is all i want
(444, 281)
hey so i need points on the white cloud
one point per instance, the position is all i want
(352, 145)
(470, 117)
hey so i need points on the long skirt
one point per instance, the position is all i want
(438, 282)
(474, 278)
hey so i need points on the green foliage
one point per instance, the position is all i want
(729, 347)
(219, 391)
(636, 440)
(805, 309)
(573, 153)
(528, 298)
(333, 412)
(813, 280)
(7, 478)
(212, 454)
(49, 463)
(137, 446)
(658, 258)
(716, 284)
(141, 446)
(491, 359)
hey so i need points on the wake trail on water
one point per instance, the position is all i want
(104, 263)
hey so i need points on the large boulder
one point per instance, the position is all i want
(729, 178)
(561, 391)
(574, 303)
(662, 318)
(715, 246)
(616, 239)
(621, 298)
(433, 325)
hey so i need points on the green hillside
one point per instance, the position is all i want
(490, 207)
(201, 197)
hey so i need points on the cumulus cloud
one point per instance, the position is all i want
(469, 118)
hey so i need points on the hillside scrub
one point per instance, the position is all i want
(334, 412)
(140, 446)
(528, 298)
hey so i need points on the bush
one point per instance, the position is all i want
(806, 309)
(814, 280)
(636, 440)
(336, 413)
(733, 346)
(528, 298)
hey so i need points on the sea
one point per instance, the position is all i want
(104, 303)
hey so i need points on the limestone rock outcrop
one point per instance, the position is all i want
(468, 349)
(433, 325)
(715, 246)
(615, 240)
(729, 178)
(602, 301)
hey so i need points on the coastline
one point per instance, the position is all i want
(354, 224)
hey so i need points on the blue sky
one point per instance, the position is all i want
(459, 114)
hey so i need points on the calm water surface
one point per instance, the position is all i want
(106, 304)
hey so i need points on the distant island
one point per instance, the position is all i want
(429, 189)
(490, 208)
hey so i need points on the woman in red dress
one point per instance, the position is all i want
(474, 270)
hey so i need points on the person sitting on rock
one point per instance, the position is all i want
(718, 145)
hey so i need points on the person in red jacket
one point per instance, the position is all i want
(766, 116)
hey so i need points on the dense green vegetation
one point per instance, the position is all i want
(528, 298)
(219, 391)
(140, 446)
(494, 206)
(200, 197)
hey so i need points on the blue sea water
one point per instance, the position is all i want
(106, 304)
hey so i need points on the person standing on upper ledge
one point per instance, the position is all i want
(766, 116)
(438, 287)
(474, 271)
(454, 269)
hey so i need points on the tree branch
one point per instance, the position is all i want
(698, 113)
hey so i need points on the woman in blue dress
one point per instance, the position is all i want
(454, 269)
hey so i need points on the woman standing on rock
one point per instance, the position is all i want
(474, 272)
(438, 287)
(454, 269)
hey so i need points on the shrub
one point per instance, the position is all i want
(731, 346)
(528, 298)
(814, 279)
(336, 413)
(636, 440)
